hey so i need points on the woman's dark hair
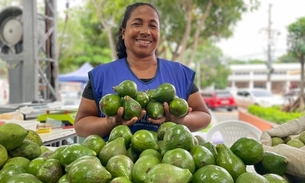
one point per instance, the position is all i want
(120, 46)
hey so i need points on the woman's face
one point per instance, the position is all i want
(142, 32)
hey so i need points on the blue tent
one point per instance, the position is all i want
(80, 75)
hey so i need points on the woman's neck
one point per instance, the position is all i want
(143, 68)
(142, 63)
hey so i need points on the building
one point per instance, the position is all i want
(284, 77)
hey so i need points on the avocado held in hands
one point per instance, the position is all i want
(132, 108)
(178, 107)
(155, 109)
(164, 93)
(126, 87)
(109, 104)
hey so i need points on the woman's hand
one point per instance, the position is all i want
(173, 118)
(119, 120)
(168, 116)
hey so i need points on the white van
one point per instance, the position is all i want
(257, 96)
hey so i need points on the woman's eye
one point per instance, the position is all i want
(153, 26)
(136, 24)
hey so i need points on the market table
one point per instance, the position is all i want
(60, 136)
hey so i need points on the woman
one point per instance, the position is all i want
(138, 39)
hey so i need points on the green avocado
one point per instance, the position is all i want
(272, 163)
(155, 109)
(109, 104)
(165, 92)
(228, 160)
(132, 108)
(178, 107)
(142, 98)
(126, 87)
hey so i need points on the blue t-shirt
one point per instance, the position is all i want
(105, 76)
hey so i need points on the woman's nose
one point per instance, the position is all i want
(145, 31)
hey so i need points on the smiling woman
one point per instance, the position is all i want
(138, 38)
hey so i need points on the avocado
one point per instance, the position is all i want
(120, 166)
(115, 147)
(168, 173)
(178, 107)
(202, 156)
(27, 149)
(12, 135)
(50, 171)
(109, 104)
(89, 171)
(126, 87)
(178, 136)
(20, 161)
(275, 178)
(251, 177)
(63, 179)
(142, 166)
(132, 108)
(276, 141)
(143, 139)
(165, 92)
(228, 160)
(248, 150)
(10, 171)
(150, 94)
(132, 154)
(120, 180)
(155, 109)
(142, 98)
(79, 161)
(272, 163)
(34, 137)
(35, 165)
(121, 131)
(163, 128)
(200, 139)
(94, 142)
(151, 152)
(212, 174)
(180, 158)
(212, 148)
(73, 152)
(24, 178)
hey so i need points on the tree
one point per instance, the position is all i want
(189, 23)
(296, 46)
(288, 58)
(209, 67)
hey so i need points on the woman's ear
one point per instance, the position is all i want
(123, 33)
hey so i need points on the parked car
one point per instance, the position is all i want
(246, 97)
(219, 99)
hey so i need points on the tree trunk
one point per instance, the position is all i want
(186, 35)
(107, 27)
(298, 104)
(301, 106)
(198, 30)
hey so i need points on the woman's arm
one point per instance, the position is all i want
(200, 116)
(87, 120)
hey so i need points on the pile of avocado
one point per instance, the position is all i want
(133, 101)
(172, 155)
(297, 141)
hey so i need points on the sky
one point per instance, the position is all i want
(250, 38)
